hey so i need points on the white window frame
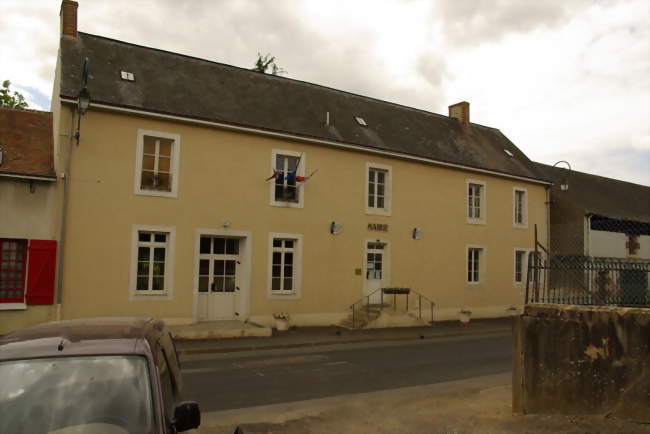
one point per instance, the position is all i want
(388, 190)
(483, 206)
(170, 253)
(482, 264)
(524, 208)
(296, 292)
(524, 265)
(174, 164)
(300, 187)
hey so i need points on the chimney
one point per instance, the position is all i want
(68, 16)
(460, 111)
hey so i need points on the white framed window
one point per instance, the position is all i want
(285, 265)
(378, 183)
(286, 189)
(152, 261)
(157, 163)
(520, 207)
(521, 258)
(475, 264)
(476, 201)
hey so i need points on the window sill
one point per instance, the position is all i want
(287, 204)
(284, 296)
(171, 194)
(382, 212)
(150, 295)
(476, 221)
(13, 306)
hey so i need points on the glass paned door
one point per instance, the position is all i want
(218, 280)
(375, 276)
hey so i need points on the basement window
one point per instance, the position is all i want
(361, 121)
(127, 76)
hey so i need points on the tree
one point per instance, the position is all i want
(265, 62)
(17, 100)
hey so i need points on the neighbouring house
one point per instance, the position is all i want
(201, 191)
(605, 219)
(28, 209)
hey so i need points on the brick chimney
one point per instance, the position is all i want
(68, 16)
(460, 111)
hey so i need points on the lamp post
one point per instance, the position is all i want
(564, 184)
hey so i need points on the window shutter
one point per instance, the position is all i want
(41, 271)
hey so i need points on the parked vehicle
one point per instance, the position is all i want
(101, 375)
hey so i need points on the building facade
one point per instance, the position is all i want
(210, 192)
(28, 216)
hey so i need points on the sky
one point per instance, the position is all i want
(563, 79)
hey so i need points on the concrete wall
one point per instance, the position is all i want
(27, 215)
(222, 178)
(582, 360)
(612, 245)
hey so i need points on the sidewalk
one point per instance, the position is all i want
(317, 336)
(474, 405)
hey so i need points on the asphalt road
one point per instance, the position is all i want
(239, 380)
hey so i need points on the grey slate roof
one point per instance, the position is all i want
(601, 196)
(176, 84)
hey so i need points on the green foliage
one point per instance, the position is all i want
(11, 101)
(266, 62)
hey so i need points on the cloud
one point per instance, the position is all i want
(562, 78)
(473, 22)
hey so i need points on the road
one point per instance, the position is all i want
(247, 379)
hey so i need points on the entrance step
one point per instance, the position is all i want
(220, 329)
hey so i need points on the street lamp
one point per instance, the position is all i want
(83, 99)
(564, 184)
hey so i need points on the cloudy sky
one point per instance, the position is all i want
(563, 79)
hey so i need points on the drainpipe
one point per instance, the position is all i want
(64, 216)
(548, 219)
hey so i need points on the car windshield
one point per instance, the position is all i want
(98, 394)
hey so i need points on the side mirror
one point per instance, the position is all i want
(187, 416)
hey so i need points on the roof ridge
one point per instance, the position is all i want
(548, 166)
(26, 109)
(303, 82)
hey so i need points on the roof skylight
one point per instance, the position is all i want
(361, 121)
(510, 154)
(127, 76)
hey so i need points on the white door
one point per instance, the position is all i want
(376, 276)
(219, 278)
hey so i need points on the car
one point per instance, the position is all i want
(101, 375)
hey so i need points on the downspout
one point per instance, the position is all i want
(548, 219)
(64, 217)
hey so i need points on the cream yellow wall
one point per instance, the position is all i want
(222, 178)
(11, 320)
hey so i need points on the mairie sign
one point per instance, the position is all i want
(377, 227)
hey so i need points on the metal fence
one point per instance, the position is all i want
(616, 274)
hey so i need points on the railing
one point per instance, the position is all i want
(397, 299)
(588, 280)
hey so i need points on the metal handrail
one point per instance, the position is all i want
(382, 291)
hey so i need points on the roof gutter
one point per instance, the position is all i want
(252, 130)
(30, 177)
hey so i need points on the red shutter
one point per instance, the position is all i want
(41, 270)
